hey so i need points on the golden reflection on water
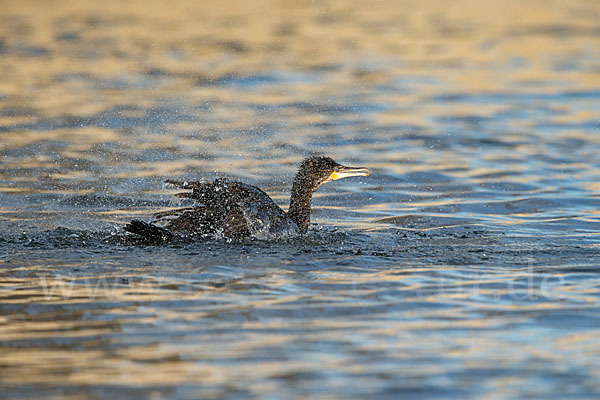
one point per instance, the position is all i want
(478, 114)
(470, 44)
(136, 307)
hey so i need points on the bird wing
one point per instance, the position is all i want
(231, 208)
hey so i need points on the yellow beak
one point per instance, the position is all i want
(346, 172)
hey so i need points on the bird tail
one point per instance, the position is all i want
(148, 231)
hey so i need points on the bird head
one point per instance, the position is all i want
(320, 170)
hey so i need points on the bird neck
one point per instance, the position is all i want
(300, 201)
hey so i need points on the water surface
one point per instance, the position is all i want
(466, 266)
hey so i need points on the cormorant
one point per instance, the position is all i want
(235, 210)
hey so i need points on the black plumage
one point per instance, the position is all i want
(235, 210)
